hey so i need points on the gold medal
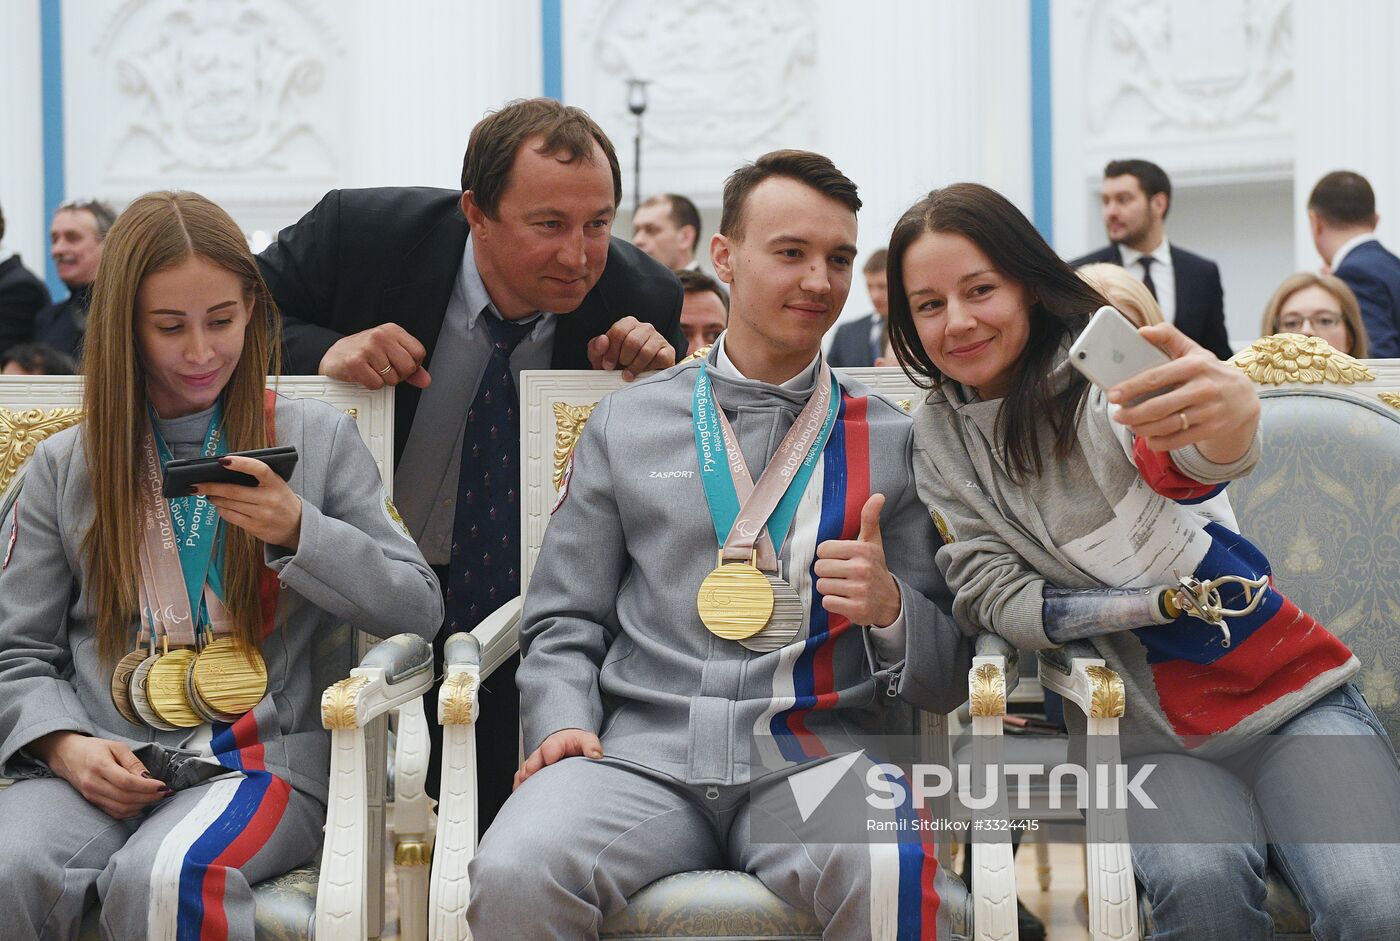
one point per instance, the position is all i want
(140, 695)
(784, 624)
(735, 600)
(165, 688)
(226, 680)
(121, 685)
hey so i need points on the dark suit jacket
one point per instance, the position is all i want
(1200, 300)
(1373, 274)
(22, 295)
(63, 325)
(851, 345)
(365, 257)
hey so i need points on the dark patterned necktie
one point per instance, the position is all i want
(1146, 262)
(485, 567)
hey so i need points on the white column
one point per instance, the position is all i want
(1348, 101)
(22, 139)
(422, 75)
(917, 94)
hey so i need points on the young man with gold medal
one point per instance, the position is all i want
(738, 564)
(161, 785)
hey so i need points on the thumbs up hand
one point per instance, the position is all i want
(852, 576)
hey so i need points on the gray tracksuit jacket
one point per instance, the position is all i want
(355, 564)
(611, 637)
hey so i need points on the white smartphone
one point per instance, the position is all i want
(1111, 350)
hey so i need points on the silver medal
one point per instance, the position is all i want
(784, 625)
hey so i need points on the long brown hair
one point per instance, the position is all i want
(157, 231)
(1061, 307)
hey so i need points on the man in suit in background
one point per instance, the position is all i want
(667, 227)
(79, 229)
(861, 342)
(517, 270)
(1136, 199)
(1342, 215)
(22, 295)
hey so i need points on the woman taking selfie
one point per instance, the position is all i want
(1071, 513)
(157, 704)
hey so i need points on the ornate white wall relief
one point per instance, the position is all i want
(727, 80)
(1188, 67)
(217, 86)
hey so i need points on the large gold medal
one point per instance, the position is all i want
(121, 685)
(735, 601)
(784, 624)
(166, 688)
(227, 682)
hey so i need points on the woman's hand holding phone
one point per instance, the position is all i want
(271, 511)
(1213, 405)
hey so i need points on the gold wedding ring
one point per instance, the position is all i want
(1185, 422)
(386, 370)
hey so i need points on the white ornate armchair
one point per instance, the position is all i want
(709, 905)
(342, 898)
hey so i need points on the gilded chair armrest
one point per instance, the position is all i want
(449, 885)
(394, 671)
(457, 702)
(997, 650)
(993, 868)
(499, 635)
(463, 649)
(400, 657)
(1077, 673)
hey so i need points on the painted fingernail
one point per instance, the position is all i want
(145, 774)
(225, 461)
(192, 489)
(167, 789)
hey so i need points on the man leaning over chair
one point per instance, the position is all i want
(638, 720)
(515, 271)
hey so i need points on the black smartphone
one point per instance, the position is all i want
(179, 475)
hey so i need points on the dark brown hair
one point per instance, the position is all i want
(877, 261)
(1344, 198)
(697, 282)
(496, 139)
(1061, 305)
(804, 166)
(683, 211)
(1152, 178)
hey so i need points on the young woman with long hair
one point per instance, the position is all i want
(1070, 513)
(157, 701)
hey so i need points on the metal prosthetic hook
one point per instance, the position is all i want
(1201, 599)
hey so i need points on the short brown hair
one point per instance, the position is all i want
(803, 166)
(1344, 198)
(497, 138)
(697, 282)
(876, 261)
